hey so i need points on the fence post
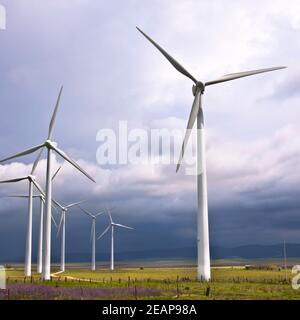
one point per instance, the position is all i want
(208, 291)
(135, 292)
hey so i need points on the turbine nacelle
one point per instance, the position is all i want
(49, 144)
(199, 86)
(31, 177)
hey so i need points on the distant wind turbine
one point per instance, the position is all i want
(285, 260)
(40, 245)
(62, 227)
(197, 113)
(32, 182)
(93, 234)
(50, 146)
(112, 226)
(41, 196)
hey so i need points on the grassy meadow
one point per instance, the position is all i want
(152, 283)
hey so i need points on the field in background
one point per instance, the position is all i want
(153, 283)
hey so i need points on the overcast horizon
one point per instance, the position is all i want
(110, 73)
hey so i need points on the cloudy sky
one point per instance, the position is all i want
(111, 73)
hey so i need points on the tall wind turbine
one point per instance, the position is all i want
(62, 226)
(50, 146)
(93, 234)
(28, 250)
(197, 113)
(41, 224)
(112, 226)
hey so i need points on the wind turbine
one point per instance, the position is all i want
(62, 225)
(50, 146)
(28, 250)
(40, 245)
(197, 113)
(41, 196)
(112, 226)
(93, 234)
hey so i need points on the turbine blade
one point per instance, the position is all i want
(192, 119)
(67, 158)
(56, 172)
(75, 204)
(99, 213)
(17, 196)
(109, 215)
(237, 75)
(104, 232)
(86, 212)
(37, 185)
(122, 226)
(36, 162)
(14, 180)
(174, 63)
(59, 226)
(54, 114)
(53, 206)
(23, 153)
(57, 203)
(53, 220)
(92, 230)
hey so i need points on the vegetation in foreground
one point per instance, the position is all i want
(152, 283)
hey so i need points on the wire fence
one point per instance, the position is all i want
(66, 287)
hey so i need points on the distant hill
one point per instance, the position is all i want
(240, 252)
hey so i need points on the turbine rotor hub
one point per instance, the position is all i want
(31, 177)
(199, 86)
(48, 144)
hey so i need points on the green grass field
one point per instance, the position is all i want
(159, 283)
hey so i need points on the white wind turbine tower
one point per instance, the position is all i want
(197, 113)
(50, 146)
(41, 196)
(62, 226)
(93, 234)
(112, 226)
(28, 250)
(40, 245)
